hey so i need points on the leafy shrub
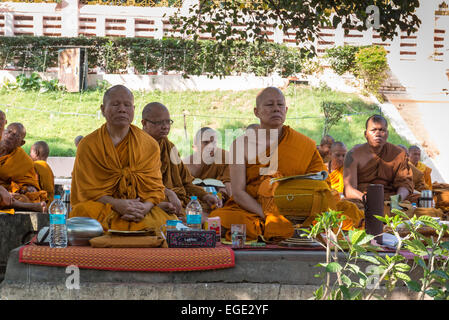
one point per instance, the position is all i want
(33, 83)
(372, 66)
(342, 59)
(114, 55)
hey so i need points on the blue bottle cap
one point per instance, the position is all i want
(57, 196)
(214, 193)
(194, 198)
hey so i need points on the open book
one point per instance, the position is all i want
(322, 175)
(208, 182)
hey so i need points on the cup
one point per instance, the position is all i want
(238, 235)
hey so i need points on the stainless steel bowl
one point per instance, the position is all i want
(81, 229)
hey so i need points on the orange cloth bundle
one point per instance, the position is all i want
(113, 241)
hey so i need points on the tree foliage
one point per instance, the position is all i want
(227, 21)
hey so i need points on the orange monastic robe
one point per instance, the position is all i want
(129, 170)
(46, 178)
(176, 176)
(336, 178)
(390, 168)
(216, 170)
(17, 172)
(297, 154)
(427, 174)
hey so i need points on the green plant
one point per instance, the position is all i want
(311, 66)
(351, 282)
(102, 85)
(51, 85)
(33, 82)
(431, 256)
(342, 58)
(333, 113)
(372, 66)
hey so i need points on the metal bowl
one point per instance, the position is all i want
(81, 229)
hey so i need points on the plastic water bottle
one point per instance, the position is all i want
(58, 224)
(66, 201)
(193, 213)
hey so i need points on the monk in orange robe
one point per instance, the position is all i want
(377, 162)
(175, 175)
(415, 157)
(335, 166)
(282, 151)
(418, 176)
(208, 161)
(116, 177)
(39, 153)
(325, 148)
(18, 179)
(3, 122)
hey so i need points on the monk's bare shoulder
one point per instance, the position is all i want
(353, 155)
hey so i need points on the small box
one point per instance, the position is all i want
(191, 238)
(214, 224)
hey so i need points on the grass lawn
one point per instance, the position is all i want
(58, 117)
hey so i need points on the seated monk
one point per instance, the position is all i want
(77, 140)
(335, 165)
(290, 153)
(325, 147)
(415, 157)
(175, 175)
(18, 179)
(377, 162)
(418, 177)
(208, 161)
(116, 177)
(3, 122)
(39, 153)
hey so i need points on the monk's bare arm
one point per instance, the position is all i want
(238, 186)
(350, 177)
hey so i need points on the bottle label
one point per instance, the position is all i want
(57, 218)
(193, 219)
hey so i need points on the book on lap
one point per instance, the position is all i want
(208, 182)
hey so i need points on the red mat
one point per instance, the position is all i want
(130, 259)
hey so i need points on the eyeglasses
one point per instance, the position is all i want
(161, 122)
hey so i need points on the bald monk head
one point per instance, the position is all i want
(118, 107)
(338, 151)
(403, 148)
(325, 147)
(3, 122)
(13, 137)
(415, 154)
(205, 141)
(271, 108)
(156, 120)
(39, 151)
(376, 131)
(77, 140)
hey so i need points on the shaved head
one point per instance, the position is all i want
(19, 127)
(377, 118)
(204, 134)
(156, 120)
(337, 145)
(151, 108)
(262, 94)
(39, 151)
(327, 140)
(77, 140)
(13, 137)
(113, 89)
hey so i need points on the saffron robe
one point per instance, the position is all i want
(336, 178)
(297, 154)
(17, 172)
(418, 178)
(390, 168)
(46, 178)
(218, 170)
(129, 170)
(176, 176)
(427, 174)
